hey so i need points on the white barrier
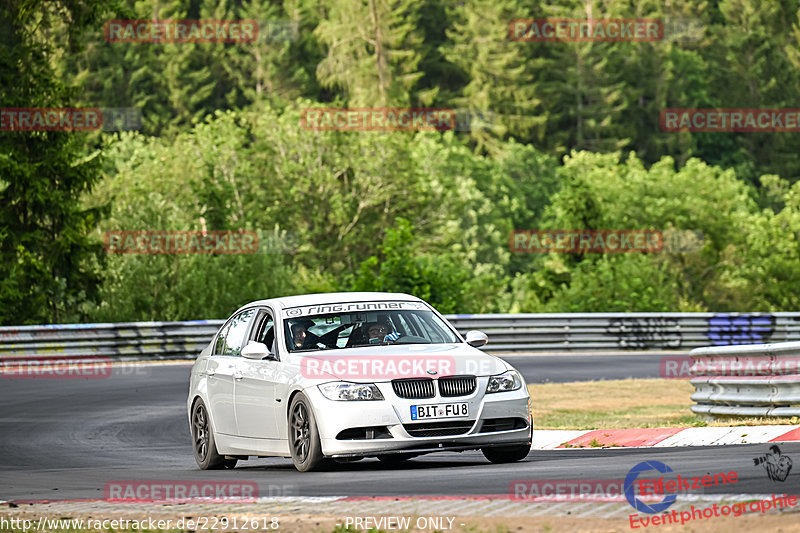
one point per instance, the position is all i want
(757, 380)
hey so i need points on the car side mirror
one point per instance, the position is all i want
(477, 338)
(256, 350)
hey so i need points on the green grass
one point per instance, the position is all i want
(628, 403)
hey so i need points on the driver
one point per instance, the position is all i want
(302, 339)
(378, 332)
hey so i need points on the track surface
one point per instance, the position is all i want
(64, 439)
(566, 367)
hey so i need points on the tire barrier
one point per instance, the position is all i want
(507, 332)
(756, 380)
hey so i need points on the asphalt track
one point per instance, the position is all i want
(566, 367)
(63, 439)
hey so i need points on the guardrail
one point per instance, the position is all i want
(121, 341)
(628, 331)
(762, 380)
(507, 332)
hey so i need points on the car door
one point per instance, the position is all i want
(256, 404)
(221, 370)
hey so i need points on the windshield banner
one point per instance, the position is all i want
(349, 307)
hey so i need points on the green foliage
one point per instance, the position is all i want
(199, 181)
(48, 265)
(376, 63)
(333, 194)
(500, 84)
(564, 135)
(438, 280)
(598, 192)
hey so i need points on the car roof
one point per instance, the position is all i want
(332, 298)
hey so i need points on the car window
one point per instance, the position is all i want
(405, 325)
(219, 346)
(264, 332)
(358, 329)
(430, 331)
(235, 336)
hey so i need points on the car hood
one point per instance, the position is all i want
(397, 361)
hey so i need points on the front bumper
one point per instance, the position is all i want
(340, 423)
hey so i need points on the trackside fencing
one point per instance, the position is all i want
(507, 333)
(628, 331)
(121, 341)
(757, 380)
(744, 364)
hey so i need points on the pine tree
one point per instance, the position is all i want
(500, 91)
(585, 95)
(373, 51)
(48, 263)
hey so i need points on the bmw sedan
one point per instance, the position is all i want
(345, 376)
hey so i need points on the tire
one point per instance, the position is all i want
(391, 459)
(304, 443)
(506, 454)
(203, 443)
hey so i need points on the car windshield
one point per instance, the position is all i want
(368, 328)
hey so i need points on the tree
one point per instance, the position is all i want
(440, 281)
(500, 91)
(48, 262)
(599, 192)
(372, 51)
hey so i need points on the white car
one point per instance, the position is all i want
(351, 375)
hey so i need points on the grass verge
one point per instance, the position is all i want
(627, 403)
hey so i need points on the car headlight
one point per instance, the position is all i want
(504, 382)
(343, 391)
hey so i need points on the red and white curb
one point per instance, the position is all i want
(663, 437)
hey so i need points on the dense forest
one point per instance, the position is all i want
(559, 134)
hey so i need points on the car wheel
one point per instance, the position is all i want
(203, 443)
(304, 441)
(506, 454)
(395, 458)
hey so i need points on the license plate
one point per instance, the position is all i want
(443, 410)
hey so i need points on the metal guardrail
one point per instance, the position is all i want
(120, 341)
(628, 331)
(762, 380)
(507, 332)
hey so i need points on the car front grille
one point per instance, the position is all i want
(413, 388)
(438, 429)
(425, 388)
(457, 386)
